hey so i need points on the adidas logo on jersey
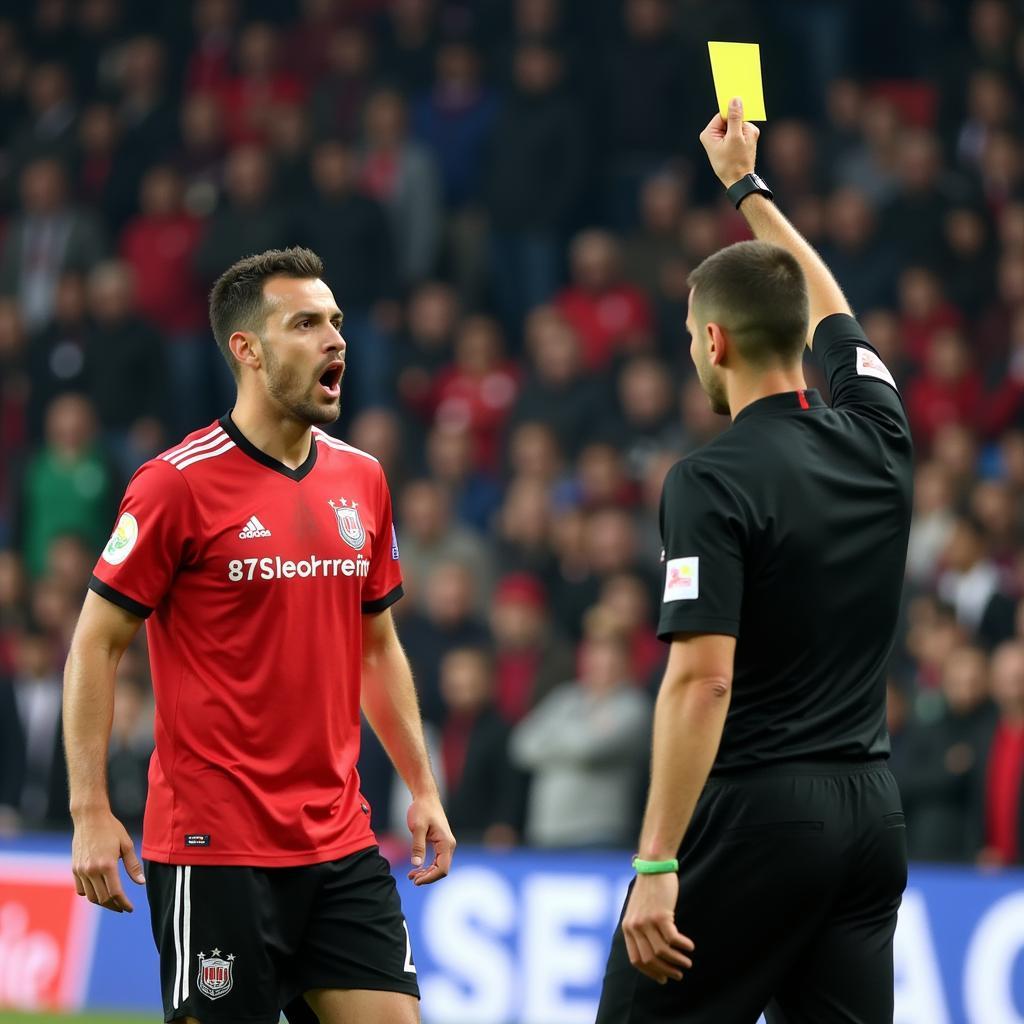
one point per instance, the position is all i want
(253, 529)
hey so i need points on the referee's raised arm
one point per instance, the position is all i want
(732, 148)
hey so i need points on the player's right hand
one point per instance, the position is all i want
(100, 840)
(731, 144)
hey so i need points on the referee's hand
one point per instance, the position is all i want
(655, 946)
(731, 144)
(100, 840)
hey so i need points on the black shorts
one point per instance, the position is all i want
(239, 944)
(790, 878)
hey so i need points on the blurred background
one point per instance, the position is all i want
(508, 196)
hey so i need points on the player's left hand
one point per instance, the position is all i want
(428, 824)
(655, 946)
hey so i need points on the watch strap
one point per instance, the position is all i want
(749, 183)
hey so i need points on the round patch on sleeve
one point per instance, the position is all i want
(122, 540)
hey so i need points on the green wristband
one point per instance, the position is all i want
(655, 867)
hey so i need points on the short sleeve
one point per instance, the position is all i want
(383, 586)
(154, 536)
(703, 536)
(858, 380)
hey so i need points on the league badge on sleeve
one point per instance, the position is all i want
(122, 540)
(350, 526)
(682, 579)
(394, 544)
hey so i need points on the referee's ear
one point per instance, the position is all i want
(719, 344)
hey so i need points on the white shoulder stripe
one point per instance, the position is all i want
(219, 439)
(206, 455)
(333, 442)
(167, 456)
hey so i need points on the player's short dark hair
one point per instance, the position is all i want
(237, 302)
(757, 292)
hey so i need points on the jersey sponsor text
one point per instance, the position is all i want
(278, 568)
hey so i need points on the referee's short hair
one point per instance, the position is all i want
(237, 302)
(757, 292)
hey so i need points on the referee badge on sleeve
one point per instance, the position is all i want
(682, 579)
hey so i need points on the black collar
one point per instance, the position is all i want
(784, 401)
(260, 456)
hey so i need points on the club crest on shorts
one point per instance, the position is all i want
(350, 526)
(216, 974)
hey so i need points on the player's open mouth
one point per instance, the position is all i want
(330, 379)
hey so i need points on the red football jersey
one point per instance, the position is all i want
(254, 578)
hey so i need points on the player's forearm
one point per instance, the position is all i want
(88, 713)
(390, 705)
(769, 224)
(688, 721)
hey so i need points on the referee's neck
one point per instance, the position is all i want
(742, 387)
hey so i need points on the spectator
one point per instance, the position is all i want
(657, 238)
(610, 316)
(426, 346)
(586, 747)
(932, 524)
(971, 584)
(409, 34)
(68, 485)
(454, 121)
(479, 389)
(642, 98)
(948, 391)
(532, 657)
(534, 176)
(558, 392)
(474, 492)
(159, 247)
(48, 130)
(522, 527)
(401, 175)
(33, 777)
(863, 266)
(1003, 800)
(202, 153)
(251, 98)
(943, 762)
(341, 93)
(430, 538)
(131, 743)
(49, 237)
(353, 236)
(215, 23)
(924, 311)
(484, 791)
(125, 360)
(247, 221)
(649, 420)
(448, 620)
(145, 114)
(57, 353)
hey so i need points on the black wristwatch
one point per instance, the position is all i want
(747, 184)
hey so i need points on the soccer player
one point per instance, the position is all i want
(262, 554)
(774, 884)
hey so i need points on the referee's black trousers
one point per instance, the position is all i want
(790, 881)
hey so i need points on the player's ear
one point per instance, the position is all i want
(245, 347)
(718, 343)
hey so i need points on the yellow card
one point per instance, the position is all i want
(736, 68)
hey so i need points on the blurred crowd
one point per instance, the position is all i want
(508, 196)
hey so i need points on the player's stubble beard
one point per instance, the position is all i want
(285, 386)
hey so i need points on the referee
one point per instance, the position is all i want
(772, 857)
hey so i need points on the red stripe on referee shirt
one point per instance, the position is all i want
(802, 395)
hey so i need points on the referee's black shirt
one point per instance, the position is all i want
(789, 531)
